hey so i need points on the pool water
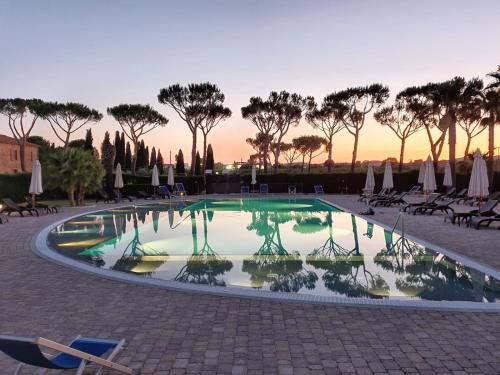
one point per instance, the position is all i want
(296, 246)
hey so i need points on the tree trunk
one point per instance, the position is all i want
(452, 143)
(309, 164)
(354, 151)
(330, 154)
(303, 161)
(22, 153)
(401, 155)
(266, 154)
(491, 148)
(467, 146)
(204, 166)
(66, 142)
(134, 157)
(193, 151)
(71, 196)
(277, 156)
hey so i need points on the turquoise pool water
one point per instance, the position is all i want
(296, 246)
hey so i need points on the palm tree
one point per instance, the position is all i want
(491, 105)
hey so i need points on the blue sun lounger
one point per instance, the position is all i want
(264, 188)
(77, 355)
(165, 192)
(318, 189)
(245, 189)
(180, 189)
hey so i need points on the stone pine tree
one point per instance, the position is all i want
(180, 167)
(22, 115)
(108, 158)
(89, 141)
(216, 114)
(210, 163)
(197, 164)
(67, 118)
(159, 162)
(359, 101)
(136, 120)
(128, 157)
(192, 103)
(152, 158)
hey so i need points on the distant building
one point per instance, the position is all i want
(10, 160)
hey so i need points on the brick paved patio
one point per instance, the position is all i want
(177, 333)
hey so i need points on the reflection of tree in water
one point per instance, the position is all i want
(138, 257)
(204, 266)
(399, 253)
(345, 269)
(437, 278)
(272, 263)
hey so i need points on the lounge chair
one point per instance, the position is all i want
(180, 190)
(264, 188)
(476, 221)
(383, 198)
(11, 207)
(80, 352)
(145, 195)
(430, 208)
(245, 189)
(486, 210)
(396, 199)
(165, 192)
(318, 189)
(120, 197)
(292, 189)
(450, 193)
(494, 195)
(416, 189)
(461, 196)
(103, 196)
(368, 194)
(431, 199)
(43, 206)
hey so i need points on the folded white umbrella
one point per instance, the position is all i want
(370, 179)
(155, 180)
(447, 175)
(388, 182)
(421, 173)
(429, 176)
(478, 184)
(254, 175)
(36, 180)
(170, 179)
(118, 176)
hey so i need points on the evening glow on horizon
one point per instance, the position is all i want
(105, 53)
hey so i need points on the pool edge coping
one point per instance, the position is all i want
(40, 247)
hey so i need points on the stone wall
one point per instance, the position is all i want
(10, 161)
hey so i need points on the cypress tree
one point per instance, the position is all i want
(140, 162)
(107, 158)
(88, 140)
(210, 158)
(122, 149)
(197, 164)
(152, 158)
(146, 157)
(159, 162)
(117, 148)
(128, 157)
(179, 163)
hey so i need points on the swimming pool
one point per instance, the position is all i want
(299, 246)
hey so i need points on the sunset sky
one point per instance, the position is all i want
(103, 53)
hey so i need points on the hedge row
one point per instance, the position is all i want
(16, 186)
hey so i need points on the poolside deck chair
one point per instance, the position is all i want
(292, 189)
(245, 189)
(476, 221)
(165, 192)
(430, 208)
(366, 195)
(77, 355)
(145, 195)
(416, 189)
(318, 189)
(180, 190)
(431, 199)
(264, 188)
(119, 196)
(11, 207)
(43, 206)
(461, 196)
(382, 198)
(486, 210)
(103, 196)
(395, 199)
